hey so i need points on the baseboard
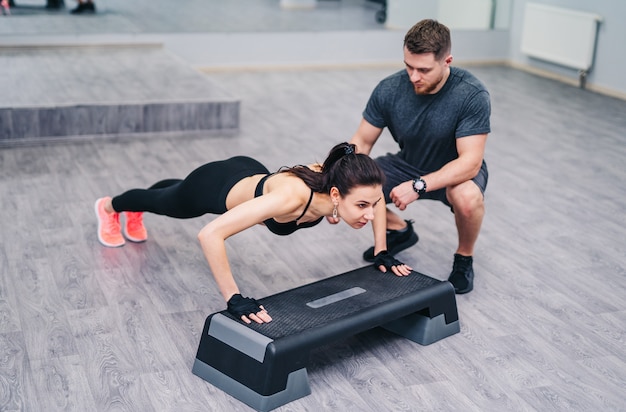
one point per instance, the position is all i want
(567, 80)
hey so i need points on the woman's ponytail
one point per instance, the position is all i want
(344, 169)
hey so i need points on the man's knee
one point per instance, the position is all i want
(466, 199)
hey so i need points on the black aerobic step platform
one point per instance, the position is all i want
(264, 365)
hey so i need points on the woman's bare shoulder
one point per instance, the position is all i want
(287, 182)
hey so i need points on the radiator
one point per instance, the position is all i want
(562, 36)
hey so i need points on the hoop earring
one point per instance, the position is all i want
(335, 212)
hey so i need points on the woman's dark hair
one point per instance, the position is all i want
(429, 36)
(344, 169)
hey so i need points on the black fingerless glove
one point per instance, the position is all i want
(239, 306)
(385, 259)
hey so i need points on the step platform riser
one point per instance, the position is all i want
(118, 119)
(264, 365)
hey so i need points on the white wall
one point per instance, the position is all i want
(466, 14)
(402, 14)
(468, 20)
(470, 45)
(385, 47)
(456, 14)
(607, 74)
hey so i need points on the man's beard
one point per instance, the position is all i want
(427, 89)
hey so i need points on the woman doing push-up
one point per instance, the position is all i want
(348, 185)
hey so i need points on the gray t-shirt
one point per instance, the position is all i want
(426, 126)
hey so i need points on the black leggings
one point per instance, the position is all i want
(203, 191)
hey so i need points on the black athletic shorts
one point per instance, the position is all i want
(398, 171)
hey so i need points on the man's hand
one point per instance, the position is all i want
(403, 194)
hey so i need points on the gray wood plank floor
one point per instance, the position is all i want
(86, 328)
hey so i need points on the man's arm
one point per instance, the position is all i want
(365, 137)
(471, 150)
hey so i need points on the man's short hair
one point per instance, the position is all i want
(429, 36)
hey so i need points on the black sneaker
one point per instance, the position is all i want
(84, 8)
(54, 4)
(396, 241)
(462, 276)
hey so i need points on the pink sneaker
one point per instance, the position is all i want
(6, 9)
(109, 231)
(134, 229)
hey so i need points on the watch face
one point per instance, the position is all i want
(418, 185)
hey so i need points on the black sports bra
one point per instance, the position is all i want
(289, 227)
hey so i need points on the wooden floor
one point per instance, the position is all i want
(87, 328)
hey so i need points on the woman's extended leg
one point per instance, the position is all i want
(109, 227)
(203, 191)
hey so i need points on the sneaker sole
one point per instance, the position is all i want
(132, 239)
(464, 291)
(129, 237)
(100, 227)
(397, 249)
(468, 289)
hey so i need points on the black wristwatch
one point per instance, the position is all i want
(419, 185)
